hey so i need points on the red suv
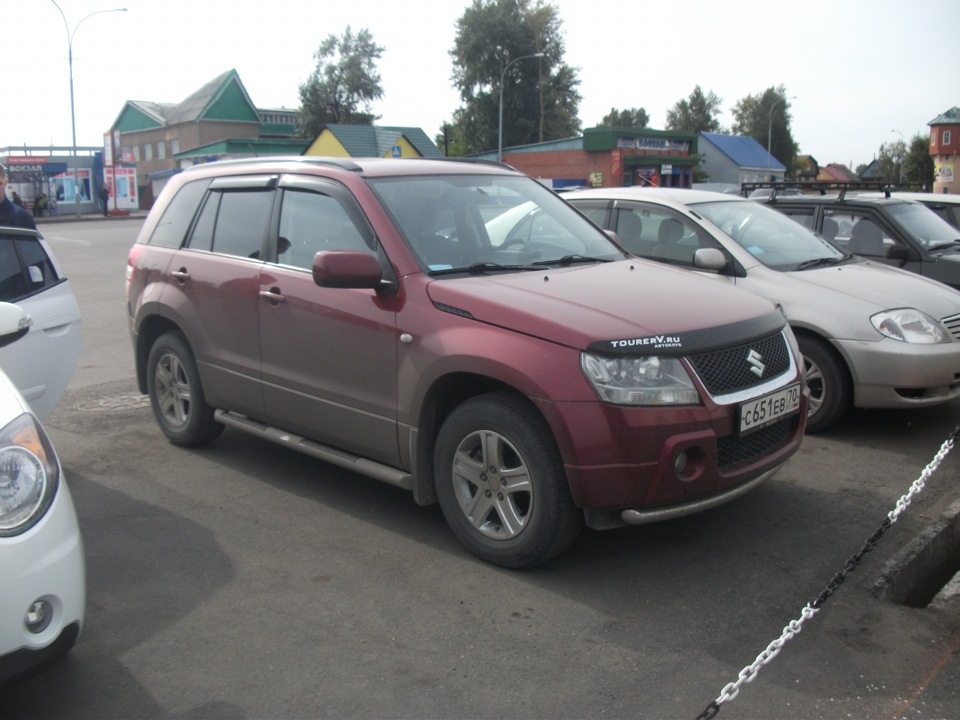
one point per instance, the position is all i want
(456, 329)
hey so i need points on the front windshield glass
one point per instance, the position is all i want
(771, 237)
(489, 223)
(924, 225)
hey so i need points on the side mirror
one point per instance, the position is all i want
(902, 253)
(14, 323)
(347, 269)
(710, 259)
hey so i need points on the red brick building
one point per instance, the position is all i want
(944, 145)
(609, 157)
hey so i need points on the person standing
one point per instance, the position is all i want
(104, 196)
(11, 214)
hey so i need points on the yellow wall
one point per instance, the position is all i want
(327, 145)
(406, 149)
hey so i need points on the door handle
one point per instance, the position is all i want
(273, 295)
(180, 275)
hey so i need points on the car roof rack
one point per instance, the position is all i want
(823, 187)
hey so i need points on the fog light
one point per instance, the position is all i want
(681, 463)
(38, 617)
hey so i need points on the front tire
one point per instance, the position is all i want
(828, 382)
(176, 395)
(501, 485)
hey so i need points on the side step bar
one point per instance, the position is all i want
(375, 470)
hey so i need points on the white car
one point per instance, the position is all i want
(42, 574)
(872, 336)
(42, 363)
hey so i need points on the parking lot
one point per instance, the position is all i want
(244, 580)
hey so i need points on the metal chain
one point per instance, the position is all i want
(731, 690)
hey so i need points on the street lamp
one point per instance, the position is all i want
(502, 74)
(770, 127)
(903, 146)
(73, 122)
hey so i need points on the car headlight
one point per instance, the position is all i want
(650, 380)
(910, 326)
(29, 475)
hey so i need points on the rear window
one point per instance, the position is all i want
(25, 268)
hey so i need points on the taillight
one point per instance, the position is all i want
(131, 266)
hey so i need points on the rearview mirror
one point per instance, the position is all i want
(710, 259)
(347, 269)
(14, 323)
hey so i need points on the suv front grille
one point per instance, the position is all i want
(735, 449)
(728, 371)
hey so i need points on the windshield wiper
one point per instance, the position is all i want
(482, 267)
(822, 261)
(568, 260)
(944, 246)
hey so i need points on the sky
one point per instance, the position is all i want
(861, 73)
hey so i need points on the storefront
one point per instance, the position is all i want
(611, 157)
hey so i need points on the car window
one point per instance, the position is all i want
(771, 237)
(311, 222)
(923, 225)
(233, 222)
(804, 216)
(455, 221)
(658, 233)
(176, 219)
(859, 233)
(25, 268)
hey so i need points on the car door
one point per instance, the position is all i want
(213, 289)
(41, 363)
(329, 355)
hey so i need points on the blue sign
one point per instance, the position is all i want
(395, 151)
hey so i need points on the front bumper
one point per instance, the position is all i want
(893, 374)
(46, 564)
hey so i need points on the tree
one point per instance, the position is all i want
(918, 165)
(343, 85)
(696, 114)
(635, 118)
(540, 98)
(890, 159)
(764, 116)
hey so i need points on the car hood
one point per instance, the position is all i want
(883, 287)
(633, 302)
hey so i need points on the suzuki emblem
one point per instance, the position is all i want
(754, 360)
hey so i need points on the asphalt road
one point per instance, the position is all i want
(246, 581)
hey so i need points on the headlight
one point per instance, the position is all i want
(640, 380)
(29, 475)
(911, 326)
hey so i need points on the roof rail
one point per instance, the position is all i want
(343, 163)
(822, 186)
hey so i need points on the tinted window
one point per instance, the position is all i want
(311, 222)
(40, 272)
(176, 219)
(24, 268)
(242, 222)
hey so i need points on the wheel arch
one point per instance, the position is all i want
(150, 329)
(443, 396)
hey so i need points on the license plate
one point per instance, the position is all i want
(768, 409)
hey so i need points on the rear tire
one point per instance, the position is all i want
(827, 379)
(176, 395)
(501, 484)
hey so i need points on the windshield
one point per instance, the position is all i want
(489, 223)
(772, 238)
(924, 225)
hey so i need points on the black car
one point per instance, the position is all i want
(895, 231)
